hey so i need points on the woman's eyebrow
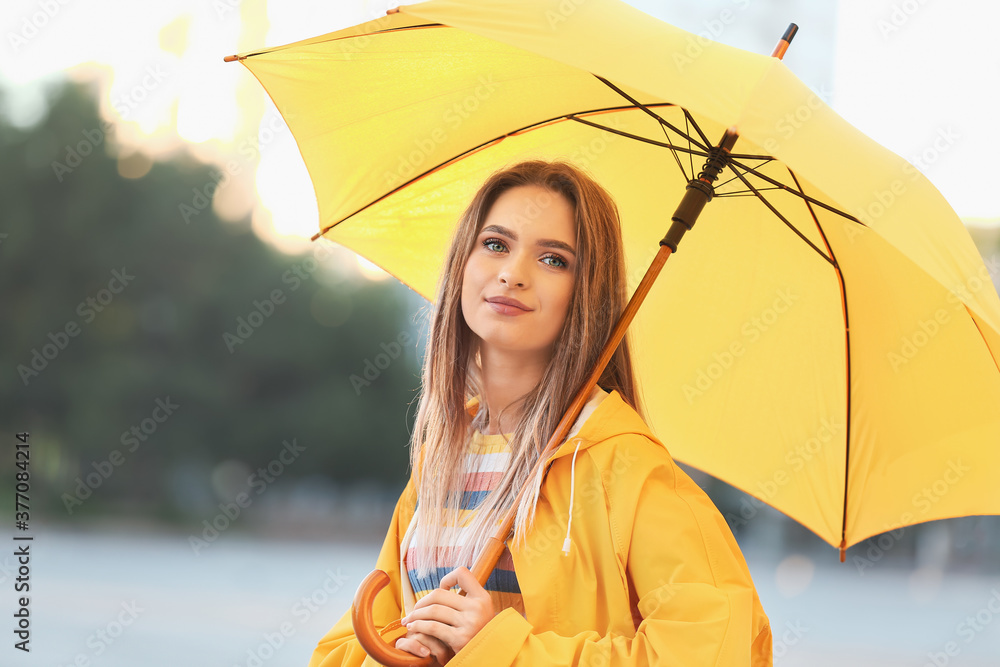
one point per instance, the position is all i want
(545, 243)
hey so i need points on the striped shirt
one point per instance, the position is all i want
(486, 460)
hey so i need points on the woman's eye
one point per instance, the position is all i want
(560, 262)
(498, 246)
(494, 244)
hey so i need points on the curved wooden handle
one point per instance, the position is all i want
(369, 637)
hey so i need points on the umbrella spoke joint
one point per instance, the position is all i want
(699, 191)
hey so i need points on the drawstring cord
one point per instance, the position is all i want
(572, 484)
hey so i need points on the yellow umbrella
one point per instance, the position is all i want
(827, 339)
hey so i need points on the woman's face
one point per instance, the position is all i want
(524, 253)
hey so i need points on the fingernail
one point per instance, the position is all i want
(424, 651)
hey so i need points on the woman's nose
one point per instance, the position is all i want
(513, 273)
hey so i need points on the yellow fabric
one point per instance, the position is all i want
(742, 343)
(636, 517)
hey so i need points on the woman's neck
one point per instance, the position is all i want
(505, 379)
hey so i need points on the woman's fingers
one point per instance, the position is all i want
(423, 645)
(448, 617)
(432, 628)
(412, 645)
(439, 596)
(453, 618)
(441, 613)
(462, 577)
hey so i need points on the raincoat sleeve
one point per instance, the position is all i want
(694, 592)
(339, 647)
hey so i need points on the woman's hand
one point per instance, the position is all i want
(417, 644)
(443, 622)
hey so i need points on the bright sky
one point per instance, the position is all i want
(906, 72)
(923, 79)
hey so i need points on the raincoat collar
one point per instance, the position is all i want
(605, 415)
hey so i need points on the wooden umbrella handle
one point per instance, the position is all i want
(368, 636)
(364, 600)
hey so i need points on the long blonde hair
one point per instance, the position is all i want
(451, 374)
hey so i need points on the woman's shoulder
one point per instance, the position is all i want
(626, 460)
(629, 457)
(613, 425)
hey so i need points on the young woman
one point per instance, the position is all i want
(617, 557)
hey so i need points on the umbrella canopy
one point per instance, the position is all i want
(826, 339)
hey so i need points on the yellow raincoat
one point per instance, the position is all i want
(653, 575)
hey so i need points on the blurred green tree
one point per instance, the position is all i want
(113, 308)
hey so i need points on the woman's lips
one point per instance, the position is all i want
(505, 306)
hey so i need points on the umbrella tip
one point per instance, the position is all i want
(786, 39)
(229, 59)
(790, 32)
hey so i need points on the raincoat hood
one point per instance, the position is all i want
(588, 429)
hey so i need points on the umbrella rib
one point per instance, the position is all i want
(677, 159)
(337, 39)
(639, 105)
(743, 193)
(781, 217)
(689, 117)
(661, 123)
(690, 157)
(643, 139)
(399, 29)
(979, 329)
(719, 185)
(797, 193)
(526, 128)
(688, 121)
(747, 156)
(847, 362)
